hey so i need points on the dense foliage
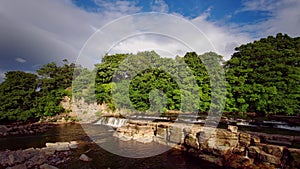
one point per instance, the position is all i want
(147, 82)
(26, 96)
(261, 77)
(264, 76)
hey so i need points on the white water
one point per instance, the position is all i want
(274, 122)
(111, 121)
(243, 123)
(246, 154)
(287, 127)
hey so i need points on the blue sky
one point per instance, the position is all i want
(232, 11)
(35, 32)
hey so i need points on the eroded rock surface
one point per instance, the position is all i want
(229, 148)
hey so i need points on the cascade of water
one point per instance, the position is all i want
(246, 153)
(111, 121)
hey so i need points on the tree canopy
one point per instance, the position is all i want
(262, 76)
(26, 96)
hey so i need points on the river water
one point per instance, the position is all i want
(101, 158)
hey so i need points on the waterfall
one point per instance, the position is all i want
(111, 121)
(246, 154)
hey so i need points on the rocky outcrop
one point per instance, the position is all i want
(141, 132)
(277, 139)
(45, 158)
(259, 155)
(229, 148)
(294, 155)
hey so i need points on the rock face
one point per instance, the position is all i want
(294, 157)
(259, 155)
(44, 158)
(136, 131)
(275, 138)
(229, 148)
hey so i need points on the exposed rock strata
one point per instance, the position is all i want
(228, 148)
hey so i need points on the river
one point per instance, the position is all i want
(101, 158)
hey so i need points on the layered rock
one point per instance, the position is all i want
(141, 132)
(228, 148)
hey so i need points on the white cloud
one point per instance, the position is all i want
(159, 6)
(259, 5)
(52, 30)
(2, 76)
(284, 17)
(223, 38)
(164, 46)
(43, 32)
(110, 10)
(166, 34)
(20, 60)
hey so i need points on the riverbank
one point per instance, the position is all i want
(53, 154)
(101, 158)
(24, 129)
(31, 128)
(35, 127)
(230, 148)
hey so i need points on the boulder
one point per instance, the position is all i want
(11, 159)
(239, 150)
(233, 129)
(175, 134)
(58, 146)
(272, 149)
(145, 130)
(85, 158)
(269, 158)
(48, 151)
(255, 139)
(260, 156)
(244, 139)
(192, 141)
(161, 133)
(73, 145)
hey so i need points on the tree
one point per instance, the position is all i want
(16, 95)
(264, 76)
(26, 96)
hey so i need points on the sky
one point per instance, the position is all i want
(36, 32)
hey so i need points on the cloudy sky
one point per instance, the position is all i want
(35, 32)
